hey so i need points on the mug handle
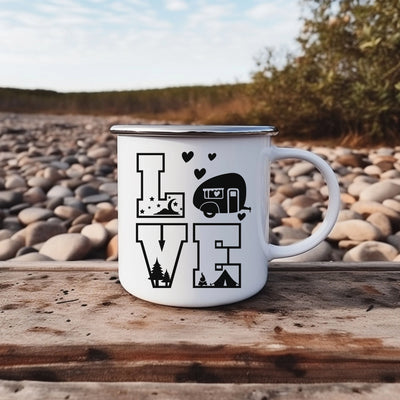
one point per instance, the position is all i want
(274, 153)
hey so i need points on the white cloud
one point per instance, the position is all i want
(176, 5)
(64, 3)
(264, 10)
(210, 20)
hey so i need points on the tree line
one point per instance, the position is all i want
(190, 104)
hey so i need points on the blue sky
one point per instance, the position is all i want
(90, 45)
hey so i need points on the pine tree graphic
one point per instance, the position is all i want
(157, 274)
(167, 279)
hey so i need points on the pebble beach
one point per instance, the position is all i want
(59, 200)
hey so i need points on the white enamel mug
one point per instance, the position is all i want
(193, 211)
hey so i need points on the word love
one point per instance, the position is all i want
(163, 244)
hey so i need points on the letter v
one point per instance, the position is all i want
(161, 245)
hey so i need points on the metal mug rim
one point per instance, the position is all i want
(157, 130)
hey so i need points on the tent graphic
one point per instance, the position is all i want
(225, 280)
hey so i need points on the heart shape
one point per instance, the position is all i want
(217, 193)
(199, 173)
(187, 156)
(241, 216)
(211, 156)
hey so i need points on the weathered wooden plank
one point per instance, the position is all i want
(149, 391)
(305, 326)
(338, 266)
(101, 265)
(81, 265)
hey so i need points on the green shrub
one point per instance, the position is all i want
(346, 80)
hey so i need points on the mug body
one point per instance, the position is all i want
(192, 214)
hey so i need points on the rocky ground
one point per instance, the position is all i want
(58, 194)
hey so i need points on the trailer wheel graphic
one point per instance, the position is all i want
(221, 194)
(209, 209)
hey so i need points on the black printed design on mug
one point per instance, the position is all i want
(161, 245)
(199, 173)
(187, 156)
(222, 194)
(152, 203)
(214, 242)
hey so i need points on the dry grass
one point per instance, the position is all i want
(232, 111)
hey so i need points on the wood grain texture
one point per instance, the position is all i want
(12, 390)
(306, 326)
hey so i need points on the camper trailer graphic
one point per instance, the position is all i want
(221, 194)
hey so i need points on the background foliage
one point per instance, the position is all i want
(344, 82)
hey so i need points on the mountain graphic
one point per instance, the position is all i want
(166, 211)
